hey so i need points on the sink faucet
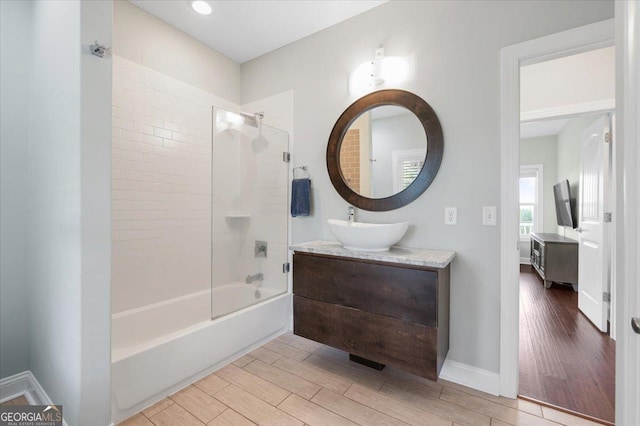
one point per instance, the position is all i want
(351, 216)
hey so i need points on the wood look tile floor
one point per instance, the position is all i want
(295, 381)
(564, 359)
(21, 400)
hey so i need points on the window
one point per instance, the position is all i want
(406, 167)
(530, 200)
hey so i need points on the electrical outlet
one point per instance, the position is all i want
(489, 215)
(450, 216)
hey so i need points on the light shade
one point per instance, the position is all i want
(201, 7)
(389, 71)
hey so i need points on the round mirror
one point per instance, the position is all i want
(385, 150)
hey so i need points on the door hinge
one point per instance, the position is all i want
(608, 217)
(606, 297)
(607, 137)
(286, 267)
(286, 157)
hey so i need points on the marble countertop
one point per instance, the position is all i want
(404, 255)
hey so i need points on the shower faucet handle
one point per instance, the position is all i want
(260, 249)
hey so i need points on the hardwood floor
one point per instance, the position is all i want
(295, 381)
(564, 359)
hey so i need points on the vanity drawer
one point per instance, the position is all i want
(405, 293)
(405, 345)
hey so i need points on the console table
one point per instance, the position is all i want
(555, 258)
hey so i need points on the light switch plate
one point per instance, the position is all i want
(489, 215)
(450, 216)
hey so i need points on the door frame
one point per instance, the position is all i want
(571, 42)
(627, 213)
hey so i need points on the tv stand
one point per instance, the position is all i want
(555, 258)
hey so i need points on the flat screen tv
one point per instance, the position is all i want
(564, 204)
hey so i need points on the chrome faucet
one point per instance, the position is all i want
(351, 216)
(254, 277)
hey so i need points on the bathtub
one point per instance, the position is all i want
(160, 348)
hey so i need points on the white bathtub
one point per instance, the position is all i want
(160, 348)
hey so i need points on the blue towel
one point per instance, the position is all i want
(301, 197)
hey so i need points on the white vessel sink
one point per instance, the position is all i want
(367, 236)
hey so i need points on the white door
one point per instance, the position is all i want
(592, 274)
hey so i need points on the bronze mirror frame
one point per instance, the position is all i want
(435, 148)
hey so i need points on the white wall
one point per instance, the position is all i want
(454, 48)
(570, 140)
(542, 150)
(146, 40)
(573, 80)
(14, 143)
(68, 221)
(96, 21)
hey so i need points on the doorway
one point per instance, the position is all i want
(566, 357)
(590, 37)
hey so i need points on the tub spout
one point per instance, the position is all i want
(255, 277)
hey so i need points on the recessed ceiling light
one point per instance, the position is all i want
(201, 7)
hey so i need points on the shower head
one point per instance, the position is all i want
(252, 119)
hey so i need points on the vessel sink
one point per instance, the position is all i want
(367, 236)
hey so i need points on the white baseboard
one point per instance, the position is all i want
(470, 376)
(24, 384)
(525, 261)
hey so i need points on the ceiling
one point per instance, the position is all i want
(536, 129)
(245, 29)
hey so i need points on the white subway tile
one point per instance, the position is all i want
(153, 121)
(161, 132)
(131, 135)
(143, 128)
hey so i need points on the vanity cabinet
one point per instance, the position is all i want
(385, 312)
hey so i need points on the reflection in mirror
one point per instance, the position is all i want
(383, 151)
(400, 168)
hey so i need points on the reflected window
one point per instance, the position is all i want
(406, 167)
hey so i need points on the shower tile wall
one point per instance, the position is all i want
(250, 191)
(350, 158)
(161, 187)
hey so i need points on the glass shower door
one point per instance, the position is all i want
(249, 212)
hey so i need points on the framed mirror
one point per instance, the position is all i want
(385, 150)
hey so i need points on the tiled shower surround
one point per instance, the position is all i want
(163, 242)
(161, 187)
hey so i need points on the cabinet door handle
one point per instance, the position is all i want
(635, 324)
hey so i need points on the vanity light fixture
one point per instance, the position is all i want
(376, 68)
(201, 7)
(387, 71)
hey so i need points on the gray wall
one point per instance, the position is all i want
(15, 36)
(397, 133)
(455, 48)
(146, 40)
(61, 124)
(542, 150)
(569, 143)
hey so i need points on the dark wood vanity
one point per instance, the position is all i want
(385, 312)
